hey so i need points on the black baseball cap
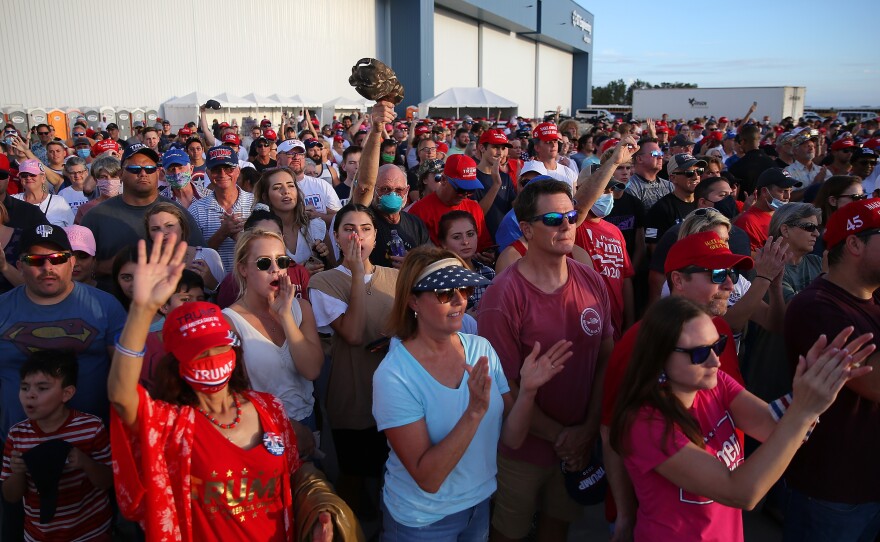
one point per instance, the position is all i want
(775, 176)
(42, 235)
(680, 141)
(139, 148)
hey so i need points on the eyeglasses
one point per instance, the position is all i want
(77, 173)
(807, 226)
(42, 133)
(854, 197)
(227, 169)
(699, 354)
(26, 175)
(265, 262)
(79, 134)
(555, 219)
(134, 170)
(718, 276)
(464, 192)
(38, 260)
(448, 294)
(387, 190)
(690, 174)
(703, 211)
(264, 144)
(656, 154)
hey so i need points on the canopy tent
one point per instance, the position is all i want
(343, 106)
(474, 101)
(179, 111)
(266, 107)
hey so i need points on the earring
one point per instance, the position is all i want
(662, 378)
(416, 315)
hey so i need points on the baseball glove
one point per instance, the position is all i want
(376, 81)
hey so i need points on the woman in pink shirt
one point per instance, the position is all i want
(674, 425)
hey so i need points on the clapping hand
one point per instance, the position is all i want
(479, 386)
(538, 370)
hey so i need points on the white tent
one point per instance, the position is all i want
(343, 106)
(184, 109)
(475, 101)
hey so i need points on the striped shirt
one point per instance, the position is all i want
(207, 213)
(199, 192)
(83, 511)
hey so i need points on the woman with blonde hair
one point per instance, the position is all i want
(443, 401)
(280, 346)
(303, 238)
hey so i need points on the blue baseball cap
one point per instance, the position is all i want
(174, 156)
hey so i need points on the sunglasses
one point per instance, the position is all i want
(656, 154)
(807, 226)
(849, 150)
(699, 354)
(149, 170)
(718, 276)
(464, 192)
(265, 262)
(264, 144)
(42, 133)
(854, 197)
(38, 260)
(691, 174)
(227, 169)
(555, 219)
(446, 295)
(79, 134)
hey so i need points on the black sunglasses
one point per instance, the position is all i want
(446, 295)
(149, 170)
(699, 354)
(464, 192)
(38, 260)
(264, 144)
(265, 262)
(42, 133)
(690, 174)
(718, 276)
(806, 226)
(854, 197)
(555, 219)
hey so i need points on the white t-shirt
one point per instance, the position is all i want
(317, 232)
(319, 194)
(56, 209)
(73, 197)
(561, 173)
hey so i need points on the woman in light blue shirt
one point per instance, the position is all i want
(443, 401)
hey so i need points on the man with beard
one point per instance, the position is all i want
(324, 171)
(841, 152)
(462, 138)
(119, 222)
(803, 168)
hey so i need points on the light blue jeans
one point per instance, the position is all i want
(469, 525)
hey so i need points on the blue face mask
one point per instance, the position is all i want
(83, 153)
(178, 180)
(603, 205)
(776, 203)
(390, 203)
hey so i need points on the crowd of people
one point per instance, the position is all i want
(476, 327)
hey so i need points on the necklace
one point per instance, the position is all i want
(214, 421)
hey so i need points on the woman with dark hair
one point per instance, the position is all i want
(10, 276)
(209, 459)
(304, 238)
(443, 401)
(675, 421)
(167, 218)
(458, 233)
(353, 302)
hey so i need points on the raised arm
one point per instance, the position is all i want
(155, 280)
(368, 170)
(591, 187)
(208, 134)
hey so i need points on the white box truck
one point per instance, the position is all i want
(689, 103)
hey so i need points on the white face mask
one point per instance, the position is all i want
(603, 205)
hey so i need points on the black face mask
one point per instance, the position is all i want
(727, 207)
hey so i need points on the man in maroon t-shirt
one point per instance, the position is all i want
(833, 479)
(546, 298)
(701, 268)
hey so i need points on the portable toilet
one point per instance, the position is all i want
(152, 117)
(17, 116)
(138, 115)
(93, 117)
(36, 116)
(72, 115)
(123, 120)
(108, 115)
(58, 120)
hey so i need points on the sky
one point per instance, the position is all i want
(828, 47)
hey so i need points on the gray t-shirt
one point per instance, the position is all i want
(648, 192)
(117, 224)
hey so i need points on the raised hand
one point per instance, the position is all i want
(624, 151)
(770, 259)
(156, 278)
(323, 529)
(281, 301)
(538, 370)
(479, 386)
(352, 253)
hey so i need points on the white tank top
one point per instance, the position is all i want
(271, 369)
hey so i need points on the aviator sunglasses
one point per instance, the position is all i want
(447, 294)
(265, 262)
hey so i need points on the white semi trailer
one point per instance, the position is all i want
(689, 103)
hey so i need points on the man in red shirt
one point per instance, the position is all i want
(458, 183)
(701, 268)
(774, 187)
